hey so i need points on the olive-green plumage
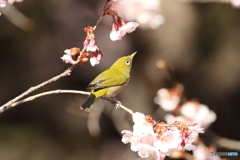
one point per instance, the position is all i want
(110, 82)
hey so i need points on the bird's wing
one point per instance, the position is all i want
(106, 81)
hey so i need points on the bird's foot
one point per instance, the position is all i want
(118, 104)
(113, 101)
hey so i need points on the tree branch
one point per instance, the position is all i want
(31, 98)
(11, 102)
(67, 72)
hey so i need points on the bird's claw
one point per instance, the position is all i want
(118, 104)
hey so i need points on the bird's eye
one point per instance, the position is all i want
(127, 62)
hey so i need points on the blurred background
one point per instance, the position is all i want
(199, 41)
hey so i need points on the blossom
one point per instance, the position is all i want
(141, 143)
(168, 99)
(95, 59)
(128, 136)
(115, 35)
(188, 112)
(142, 137)
(168, 141)
(150, 137)
(146, 13)
(171, 118)
(202, 152)
(68, 59)
(194, 112)
(72, 51)
(189, 136)
(91, 45)
(3, 3)
(235, 3)
(121, 28)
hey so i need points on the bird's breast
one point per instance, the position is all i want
(112, 91)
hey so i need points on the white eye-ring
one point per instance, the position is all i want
(127, 62)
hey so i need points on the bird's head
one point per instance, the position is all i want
(124, 63)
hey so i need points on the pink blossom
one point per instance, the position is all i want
(235, 3)
(91, 45)
(139, 118)
(95, 59)
(68, 59)
(128, 136)
(142, 137)
(67, 51)
(72, 51)
(168, 141)
(141, 143)
(115, 35)
(171, 118)
(158, 139)
(158, 155)
(202, 152)
(3, 3)
(128, 27)
(145, 12)
(120, 29)
(168, 99)
(190, 137)
(194, 112)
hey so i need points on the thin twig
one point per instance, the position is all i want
(31, 98)
(17, 18)
(101, 16)
(126, 109)
(67, 72)
(223, 142)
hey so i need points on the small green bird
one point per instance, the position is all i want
(110, 82)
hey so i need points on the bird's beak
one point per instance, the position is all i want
(132, 55)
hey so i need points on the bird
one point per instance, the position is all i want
(110, 82)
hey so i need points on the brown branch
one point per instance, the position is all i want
(67, 72)
(15, 102)
(31, 98)
(17, 18)
(223, 142)
(102, 14)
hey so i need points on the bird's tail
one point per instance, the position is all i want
(87, 106)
